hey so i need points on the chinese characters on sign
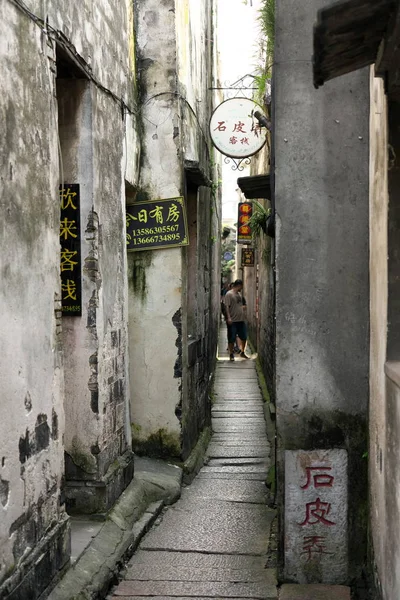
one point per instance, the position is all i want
(248, 257)
(234, 129)
(156, 224)
(245, 210)
(316, 516)
(70, 241)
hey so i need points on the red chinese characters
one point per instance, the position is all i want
(314, 545)
(245, 210)
(317, 512)
(221, 126)
(239, 127)
(319, 479)
(234, 129)
(256, 129)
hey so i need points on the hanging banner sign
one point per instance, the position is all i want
(248, 257)
(156, 224)
(70, 240)
(234, 129)
(245, 210)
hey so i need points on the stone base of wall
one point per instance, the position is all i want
(91, 496)
(45, 561)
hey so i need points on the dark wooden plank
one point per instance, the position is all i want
(348, 35)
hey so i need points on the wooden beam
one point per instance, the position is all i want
(388, 58)
(347, 36)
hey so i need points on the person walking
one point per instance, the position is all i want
(235, 311)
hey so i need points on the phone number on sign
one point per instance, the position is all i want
(155, 230)
(154, 239)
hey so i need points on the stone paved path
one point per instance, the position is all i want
(213, 542)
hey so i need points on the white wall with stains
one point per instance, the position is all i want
(175, 67)
(45, 364)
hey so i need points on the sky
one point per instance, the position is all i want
(237, 40)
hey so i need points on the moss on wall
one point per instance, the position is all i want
(82, 459)
(261, 380)
(138, 263)
(159, 444)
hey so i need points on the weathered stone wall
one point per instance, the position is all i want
(34, 534)
(155, 278)
(262, 329)
(169, 376)
(103, 158)
(31, 370)
(195, 76)
(322, 296)
(199, 350)
(100, 34)
(96, 345)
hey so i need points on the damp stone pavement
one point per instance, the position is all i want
(214, 543)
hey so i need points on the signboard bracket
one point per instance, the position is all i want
(238, 164)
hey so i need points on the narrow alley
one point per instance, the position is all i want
(214, 542)
(175, 173)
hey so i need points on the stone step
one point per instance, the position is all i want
(195, 589)
(164, 572)
(314, 592)
(240, 451)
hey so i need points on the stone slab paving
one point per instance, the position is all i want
(225, 413)
(229, 490)
(314, 592)
(229, 476)
(233, 438)
(202, 561)
(199, 525)
(158, 572)
(220, 451)
(239, 468)
(213, 543)
(224, 426)
(196, 589)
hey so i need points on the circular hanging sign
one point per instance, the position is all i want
(234, 129)
(228, 256)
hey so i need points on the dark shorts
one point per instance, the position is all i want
(237, 329)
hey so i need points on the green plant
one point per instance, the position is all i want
(261, 82)
(267, 22)
(258, 220)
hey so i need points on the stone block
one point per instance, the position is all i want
(314, 592)
(316, 516)
(100, 495)
(41, 565)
